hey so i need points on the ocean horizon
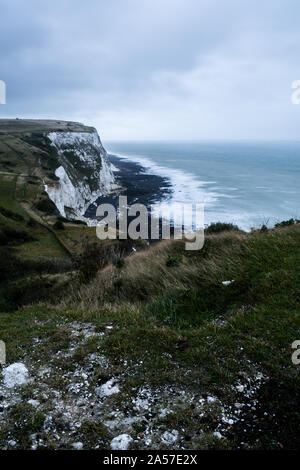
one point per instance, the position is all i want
(247, 183)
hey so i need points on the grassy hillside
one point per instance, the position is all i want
(191, 362)
(35, 242)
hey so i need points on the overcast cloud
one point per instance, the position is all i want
(155, 69)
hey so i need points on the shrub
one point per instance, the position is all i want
(58, 225)
(218, 227)
(71, 221)
(264, 228)
(93, 257)
(119, 262)
(173, 260)
(31, 223)
(77, 222)
(96, 256)
(9, 265)
(286, 223)
(53, 176)
(62, 219)
(47, 206)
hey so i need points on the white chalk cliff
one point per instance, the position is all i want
(84, 172)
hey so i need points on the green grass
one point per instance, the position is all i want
(188, 330)
(46, 246)
(7, 194)
(18, 330)
(261, 307)
(215, 331)
(27, 250)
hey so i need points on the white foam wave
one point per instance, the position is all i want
(186, 188)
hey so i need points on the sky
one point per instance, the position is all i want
(154, 69)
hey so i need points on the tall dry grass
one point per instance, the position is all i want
(146, 275)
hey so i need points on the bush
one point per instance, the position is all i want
(58, 225)
(47, 206)
(93, 258)
(71, 221)
(96, 256)
(32, 223)
(119, 262)
(286, 223)
(53, 176)
(173, 260)
(62, 219)
(264, 229)
(218, 227)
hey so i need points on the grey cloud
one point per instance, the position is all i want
(198, 66)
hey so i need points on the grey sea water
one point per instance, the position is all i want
(247, 183)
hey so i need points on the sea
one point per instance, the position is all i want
(249, 184)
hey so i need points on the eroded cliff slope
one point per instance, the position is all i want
(84, 172)
(68, 156)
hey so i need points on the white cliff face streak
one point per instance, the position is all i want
(85, 172)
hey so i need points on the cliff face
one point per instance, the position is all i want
(67, 157)
(84, 172)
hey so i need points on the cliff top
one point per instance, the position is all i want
(17, 126)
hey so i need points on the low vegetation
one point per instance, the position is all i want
(201, 339)
(219, 227)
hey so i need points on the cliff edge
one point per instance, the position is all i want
(68, 156)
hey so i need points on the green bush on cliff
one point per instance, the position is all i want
(219, 227)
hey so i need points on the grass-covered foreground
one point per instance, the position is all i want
(158, 346)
